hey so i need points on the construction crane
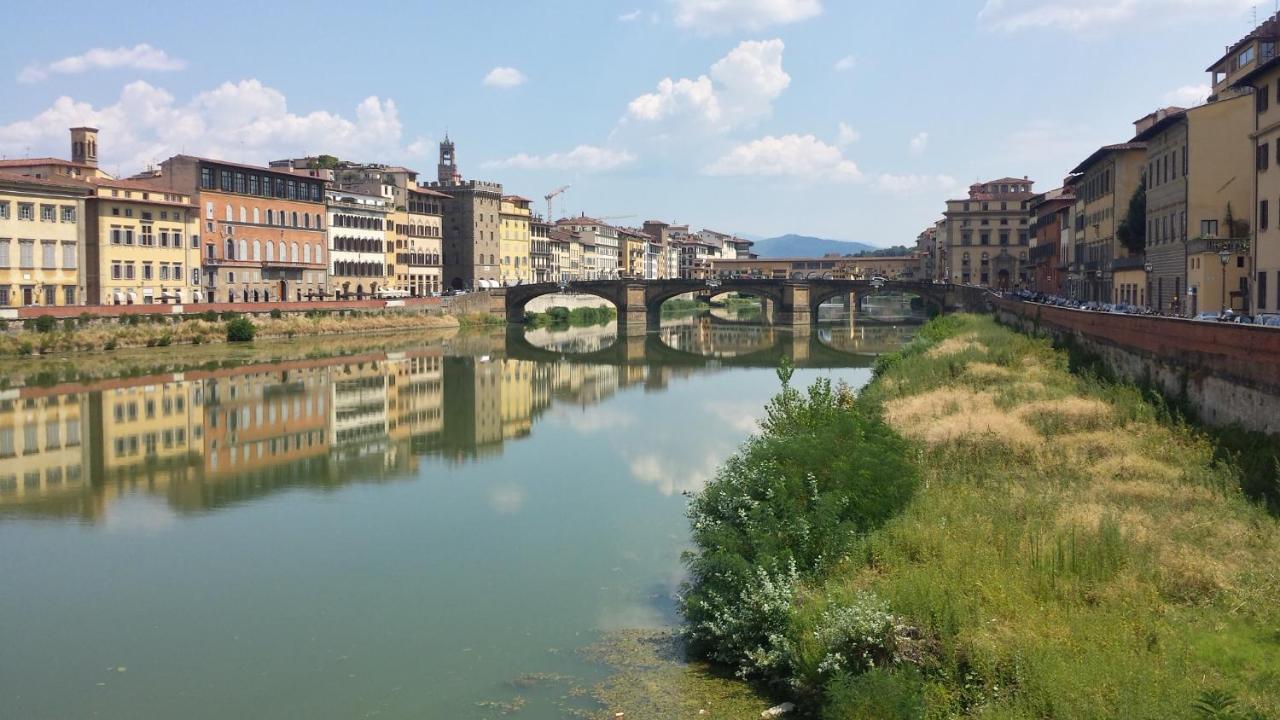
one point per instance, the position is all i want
(551, 215)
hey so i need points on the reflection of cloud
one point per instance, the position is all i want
(589, 421)
(137, 514)
(667, 475)
(506, 499)
(741, 416)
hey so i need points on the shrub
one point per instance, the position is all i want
(209, 316)
(85, 318)
(229, 316)
(133, 320)
(559, 314)
(45, 324)
(241, 330)
(822, 472)
(878, 694)
(276, 314)
(164, 340)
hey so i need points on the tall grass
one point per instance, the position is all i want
(1074, 549)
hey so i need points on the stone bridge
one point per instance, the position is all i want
(785, 302)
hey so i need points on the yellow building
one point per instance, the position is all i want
(418, 248)
(141, 245)
(632, 245)
(516, 266)
(1254, 64)
(517, 398)
(1212, 284)
(154, 427)
(40, 240)
(1106, 183)
(41, 448)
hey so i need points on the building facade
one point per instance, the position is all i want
(541, 257)
(1050, 216)
(142, 245)
(516, 249)
(262, 231)
(988, 235)
(1108, 179)
(357, 231)
(418, 243)
(1261, 75)
(41, 236)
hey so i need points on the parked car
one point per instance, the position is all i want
(1267, 320)
(1206, 317)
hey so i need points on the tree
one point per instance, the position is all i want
(1133, 229)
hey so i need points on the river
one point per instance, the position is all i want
(431, 531)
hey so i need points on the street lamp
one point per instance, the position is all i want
(1148, 268)
(1225, 256)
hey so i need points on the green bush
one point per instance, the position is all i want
(558, 314)
(241, 330)
(878, 694)
(229, 316)
(822, 472)
(276, 314)
(44, 324)
(69, 324)
(209, 316)
(85, 318)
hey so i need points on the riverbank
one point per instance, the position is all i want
(983, 533)
(73, 335)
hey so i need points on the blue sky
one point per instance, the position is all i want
(838, 118)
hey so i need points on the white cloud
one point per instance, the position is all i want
(631, 16)
(504, 77)
(910, 184)
(1013, 15)
(507, 499)
(802, 156)
(138, 57)
(919, 143)
(846, 63)
(245, 121)
(671, 476)
(718, 16)
(847, 135)
(739, 89)
(584, 157)
(1188, 96)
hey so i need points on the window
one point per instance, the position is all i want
(147, 271)
(257, 250)
(164, 271)
(1262, 215)
(147, 237)
(26, 211)
(224, 180)
(1245, 57)
(128, 271)
(69, 295)
(239, 182)
(116, 271)
(1262, 98)
(47, 213)
(4, 252)
(27, 254)
(206, 179)
(4, 209)
(68, 214)
(69, 255)
(253, 185)
(1264, 156)
(1209, 228)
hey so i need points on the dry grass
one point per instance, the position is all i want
(951, 414)
(955, 346)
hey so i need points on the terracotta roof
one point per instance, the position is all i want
(62, 184)
(517, 198)
(1105, 151)
(1007, 180)
(1269, 29)
(30, 162)
(255, 168)
(1161, 125)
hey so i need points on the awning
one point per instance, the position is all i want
(196, 295)
(118, 297)
(133, 297)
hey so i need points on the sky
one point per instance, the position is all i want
(839, 118)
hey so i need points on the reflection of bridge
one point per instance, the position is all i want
(762, 349)
(784, 302)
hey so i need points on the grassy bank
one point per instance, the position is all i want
(985, 533)
(136, 331)
(682, 305)
(560, 316)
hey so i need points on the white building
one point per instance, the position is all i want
(357, 243)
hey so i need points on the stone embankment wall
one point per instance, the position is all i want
(1228, 373)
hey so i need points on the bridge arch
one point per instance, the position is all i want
(656, 296)
(518, 297)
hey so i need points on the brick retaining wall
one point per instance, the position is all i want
(115, 311)
(1230, 373)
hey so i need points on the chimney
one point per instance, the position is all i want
(84, 146)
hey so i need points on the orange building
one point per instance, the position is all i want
(262, 230)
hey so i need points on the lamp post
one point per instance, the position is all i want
(1225, 256)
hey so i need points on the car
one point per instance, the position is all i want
(1206, 317)
(1268, 320)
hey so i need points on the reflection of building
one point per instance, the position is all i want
(155, 428)
(415, 398)
(41, 447)
(265, 419)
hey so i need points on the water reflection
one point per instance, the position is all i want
(207, 439)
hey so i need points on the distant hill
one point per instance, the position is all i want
(806, 246)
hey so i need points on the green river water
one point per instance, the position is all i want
(432, 531)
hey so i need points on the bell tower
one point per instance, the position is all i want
(447, 170)
(84, 146)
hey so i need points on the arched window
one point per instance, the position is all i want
(229, 216)
(242, 252)
(306, 220)
(319, 225)
(319, 254)
(271, 251)
(306, 253)
(244, 214)
(257, 250)
(295, 218)
(293, 252)
(270, 217)
(231, 250)
(257, 217)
